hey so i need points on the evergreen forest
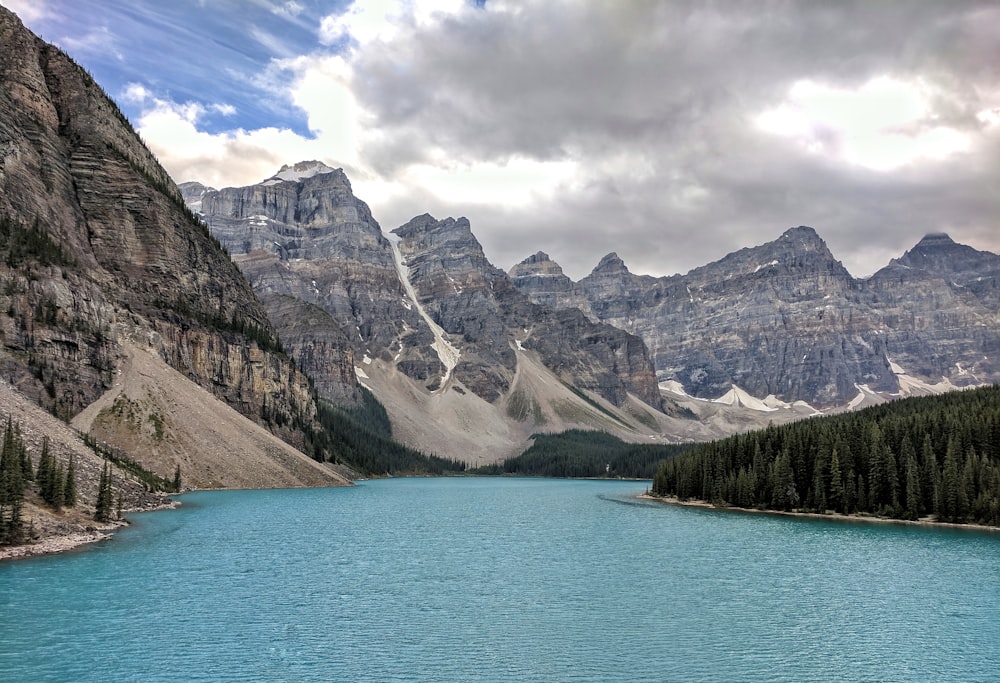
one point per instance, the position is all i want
(580, 453)
(362, 439)
(935, 458)
(55, 485)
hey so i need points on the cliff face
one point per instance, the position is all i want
(939, 307)
(101, 248)
(787, 319)
(424, 320)
(479, 305)
(303, 235)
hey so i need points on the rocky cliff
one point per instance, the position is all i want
(478, 304)
(786, 320)
(423, 319)
(303, 235)
(100, 251)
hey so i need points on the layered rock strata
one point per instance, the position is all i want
(100, 247)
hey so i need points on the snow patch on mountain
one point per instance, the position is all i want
(298, 172)
(447, 354)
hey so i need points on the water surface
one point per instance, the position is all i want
(458, 579)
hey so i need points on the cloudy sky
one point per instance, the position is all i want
(671, 132)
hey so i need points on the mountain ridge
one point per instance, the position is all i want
(795, 289)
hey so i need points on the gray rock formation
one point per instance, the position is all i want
(480, 306)
(787, 319)
(303, 234)
(99, 246)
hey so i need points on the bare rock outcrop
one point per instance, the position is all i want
(101, 248)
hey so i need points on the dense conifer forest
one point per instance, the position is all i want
(930, 457)
(579, 453)
(361, 438)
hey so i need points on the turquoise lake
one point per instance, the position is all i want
(488, 579)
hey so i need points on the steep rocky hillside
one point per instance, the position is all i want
(100, 257)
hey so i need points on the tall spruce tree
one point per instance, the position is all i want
(105, 507)
(69, 486)
(11, 486)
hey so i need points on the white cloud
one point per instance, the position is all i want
(28, 10)
(381, 20)
(665, 131)
(136, 93)
(289, 9)
(236, 157)
(884, 124)
(101, 40)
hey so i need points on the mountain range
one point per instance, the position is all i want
(786, 320)
(465, 357)
(212, 329)
(467, 366)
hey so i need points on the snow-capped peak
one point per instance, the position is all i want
(299, 171)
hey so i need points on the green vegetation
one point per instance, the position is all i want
(151, 480)
(594, 404)
(934, 456)
(55, 486)
(362, 439)
(104, 507)
(12, 485)
(521, 406)
(579, 453)
(21, 245)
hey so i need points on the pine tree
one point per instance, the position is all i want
(785, 496)
(104, 509)
(912, 485)
(55, 497)
(177, 479)
(11, 486)
(836, 500)
(45, 472)
(953, 499)
(69, 486)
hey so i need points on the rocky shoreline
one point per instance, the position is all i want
(71, 537)
(671, 500)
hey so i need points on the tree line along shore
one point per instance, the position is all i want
(927, 458)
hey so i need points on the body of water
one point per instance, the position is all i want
(469, 579)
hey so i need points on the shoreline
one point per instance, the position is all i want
(834, 516)
(61, 543)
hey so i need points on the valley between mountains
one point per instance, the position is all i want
(235, 337)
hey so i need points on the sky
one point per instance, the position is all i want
(670, 132)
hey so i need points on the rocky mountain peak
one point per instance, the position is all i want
(449, 241)
(538, 265)
(609, 265)
(802, 233)
(301, 171)
(935, 239)
(193, 193)
(939, 256)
